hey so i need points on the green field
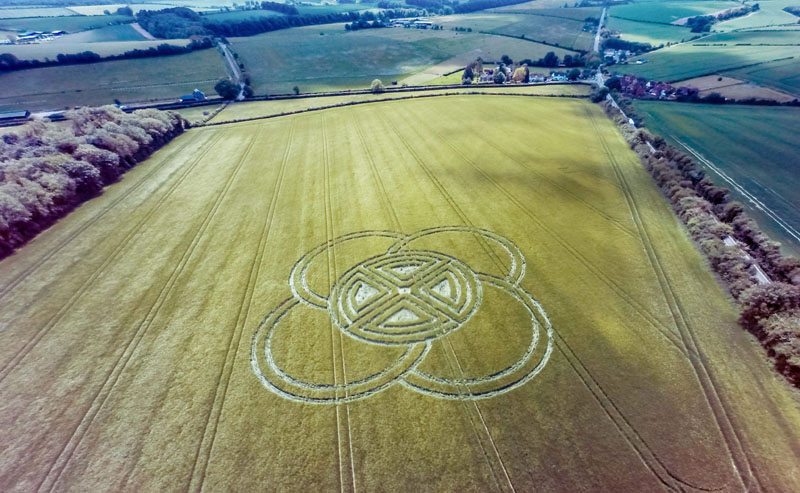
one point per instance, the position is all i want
(755, 147)
(756, 37)
(691, 60)
(147, 79)
(577, 13)
(255, 109)
(564, 32)
(13, 13)
(338, 59)
(770, 13)
(646, 32)
(121, 32)
(240, 15)
(42, 51)
(548, 324)
(669, 11)
(70, 24)
(783, 75)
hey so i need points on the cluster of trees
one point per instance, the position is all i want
(283, 8)
(364, 24)
(10, 63)
(47, 169)
(621, 44)
(703, 23)
(180, 22)
(770, 311)
(551, 60)
(472, 71)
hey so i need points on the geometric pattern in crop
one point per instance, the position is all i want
(406, 297)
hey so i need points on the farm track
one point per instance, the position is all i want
(623, 425)
(721, 411)
(339, 376)
(14, 282)
(50, 481)
(490, 252)
(206, 446)
(53, 321)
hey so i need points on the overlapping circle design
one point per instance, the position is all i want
(405, 298)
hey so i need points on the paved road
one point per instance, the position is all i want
(599, 28)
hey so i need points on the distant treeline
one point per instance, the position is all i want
(47, 169)
(283, 8)
(180, 22)
(448, 6)
(702, 23)
(10, 63)
(551, 60)
(770, 311)
(621, 44)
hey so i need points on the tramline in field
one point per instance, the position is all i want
(464, 292)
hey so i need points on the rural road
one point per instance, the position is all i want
(596, 48)
(234, 67)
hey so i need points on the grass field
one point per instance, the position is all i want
(121, 32)
(669, 11)
(691, 60)
(12, 13)
(646, 32)
(240, 15)
(783, 75)
(147, 79)
(71, 24)
(576, 13)
(50, 50)
(136, 7)
(556, 30)
(643, 382)
(756, 149)
(338, 59)
(770, 13)
(256, 109)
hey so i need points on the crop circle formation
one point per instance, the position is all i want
(405, 298)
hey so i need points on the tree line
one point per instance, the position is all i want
(47, 169)
(180, 22)
(10, 63)
(769, 311)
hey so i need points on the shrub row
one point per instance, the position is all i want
(47, 169)
(770, 311)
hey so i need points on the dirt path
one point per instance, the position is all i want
(143, 32)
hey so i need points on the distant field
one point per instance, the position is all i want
(561, 31)
(756, 147)
(256, 109)
(11, 13)
(576, 13)
(646, 32)
(689, 60)
(136, 7)
(770, 13)
(669, 11)
(100, 83)
(756, 37)
(344, 7)
(50, 50)
(121, 32)
(783, 75)
(529, 315)
(71, 24)
(539, 5)
(241, 15)
(733, 88)
(339, 59)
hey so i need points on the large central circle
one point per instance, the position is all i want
(404, 297)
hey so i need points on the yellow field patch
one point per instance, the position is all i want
(456, 293)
